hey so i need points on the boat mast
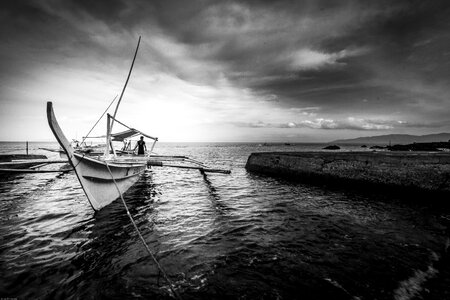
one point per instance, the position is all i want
(110, 126)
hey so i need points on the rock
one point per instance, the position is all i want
(332, 147)
(377, 147)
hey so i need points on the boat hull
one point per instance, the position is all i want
(103, 181)
(99, 183)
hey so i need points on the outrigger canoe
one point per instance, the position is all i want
(104, 178)
(98, 176)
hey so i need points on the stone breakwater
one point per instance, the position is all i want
(415, 171)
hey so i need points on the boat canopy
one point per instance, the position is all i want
(120, 136)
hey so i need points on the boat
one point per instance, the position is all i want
(104, 178)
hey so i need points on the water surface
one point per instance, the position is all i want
(238, 236)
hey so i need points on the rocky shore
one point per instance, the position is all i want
(436, 146)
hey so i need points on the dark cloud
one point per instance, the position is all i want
(367, 60)
(109, 11)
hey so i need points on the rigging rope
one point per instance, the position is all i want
(171, 285)
(84, 138)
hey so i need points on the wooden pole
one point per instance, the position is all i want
(126, 82)
(27, 147)
(33, 171)
(201, 169)
(108, 135)
(153, 146)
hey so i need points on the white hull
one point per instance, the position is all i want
(98, 183)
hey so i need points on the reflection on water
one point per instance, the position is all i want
(218, 236)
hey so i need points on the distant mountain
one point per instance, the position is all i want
(397, 139)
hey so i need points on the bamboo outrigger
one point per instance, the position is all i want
(31, 166)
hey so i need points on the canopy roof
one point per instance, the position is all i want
(120, 136)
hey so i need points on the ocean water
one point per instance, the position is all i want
(237, 236)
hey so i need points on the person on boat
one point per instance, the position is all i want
(141, 146)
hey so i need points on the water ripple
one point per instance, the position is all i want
(218, 236)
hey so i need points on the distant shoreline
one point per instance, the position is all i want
(396, 139)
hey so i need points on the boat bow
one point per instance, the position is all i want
(96, 179)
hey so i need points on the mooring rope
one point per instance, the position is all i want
(171, 285)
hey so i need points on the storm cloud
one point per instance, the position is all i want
(305, 66)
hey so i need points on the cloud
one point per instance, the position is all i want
(314, 124)
(256, 64)
(306, 111)
(308, 59)
(349, 123)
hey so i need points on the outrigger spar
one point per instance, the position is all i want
(105, 178)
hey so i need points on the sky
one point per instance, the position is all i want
(226, 71)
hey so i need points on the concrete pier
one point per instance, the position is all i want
(411, 170)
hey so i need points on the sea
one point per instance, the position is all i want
(219, 236)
